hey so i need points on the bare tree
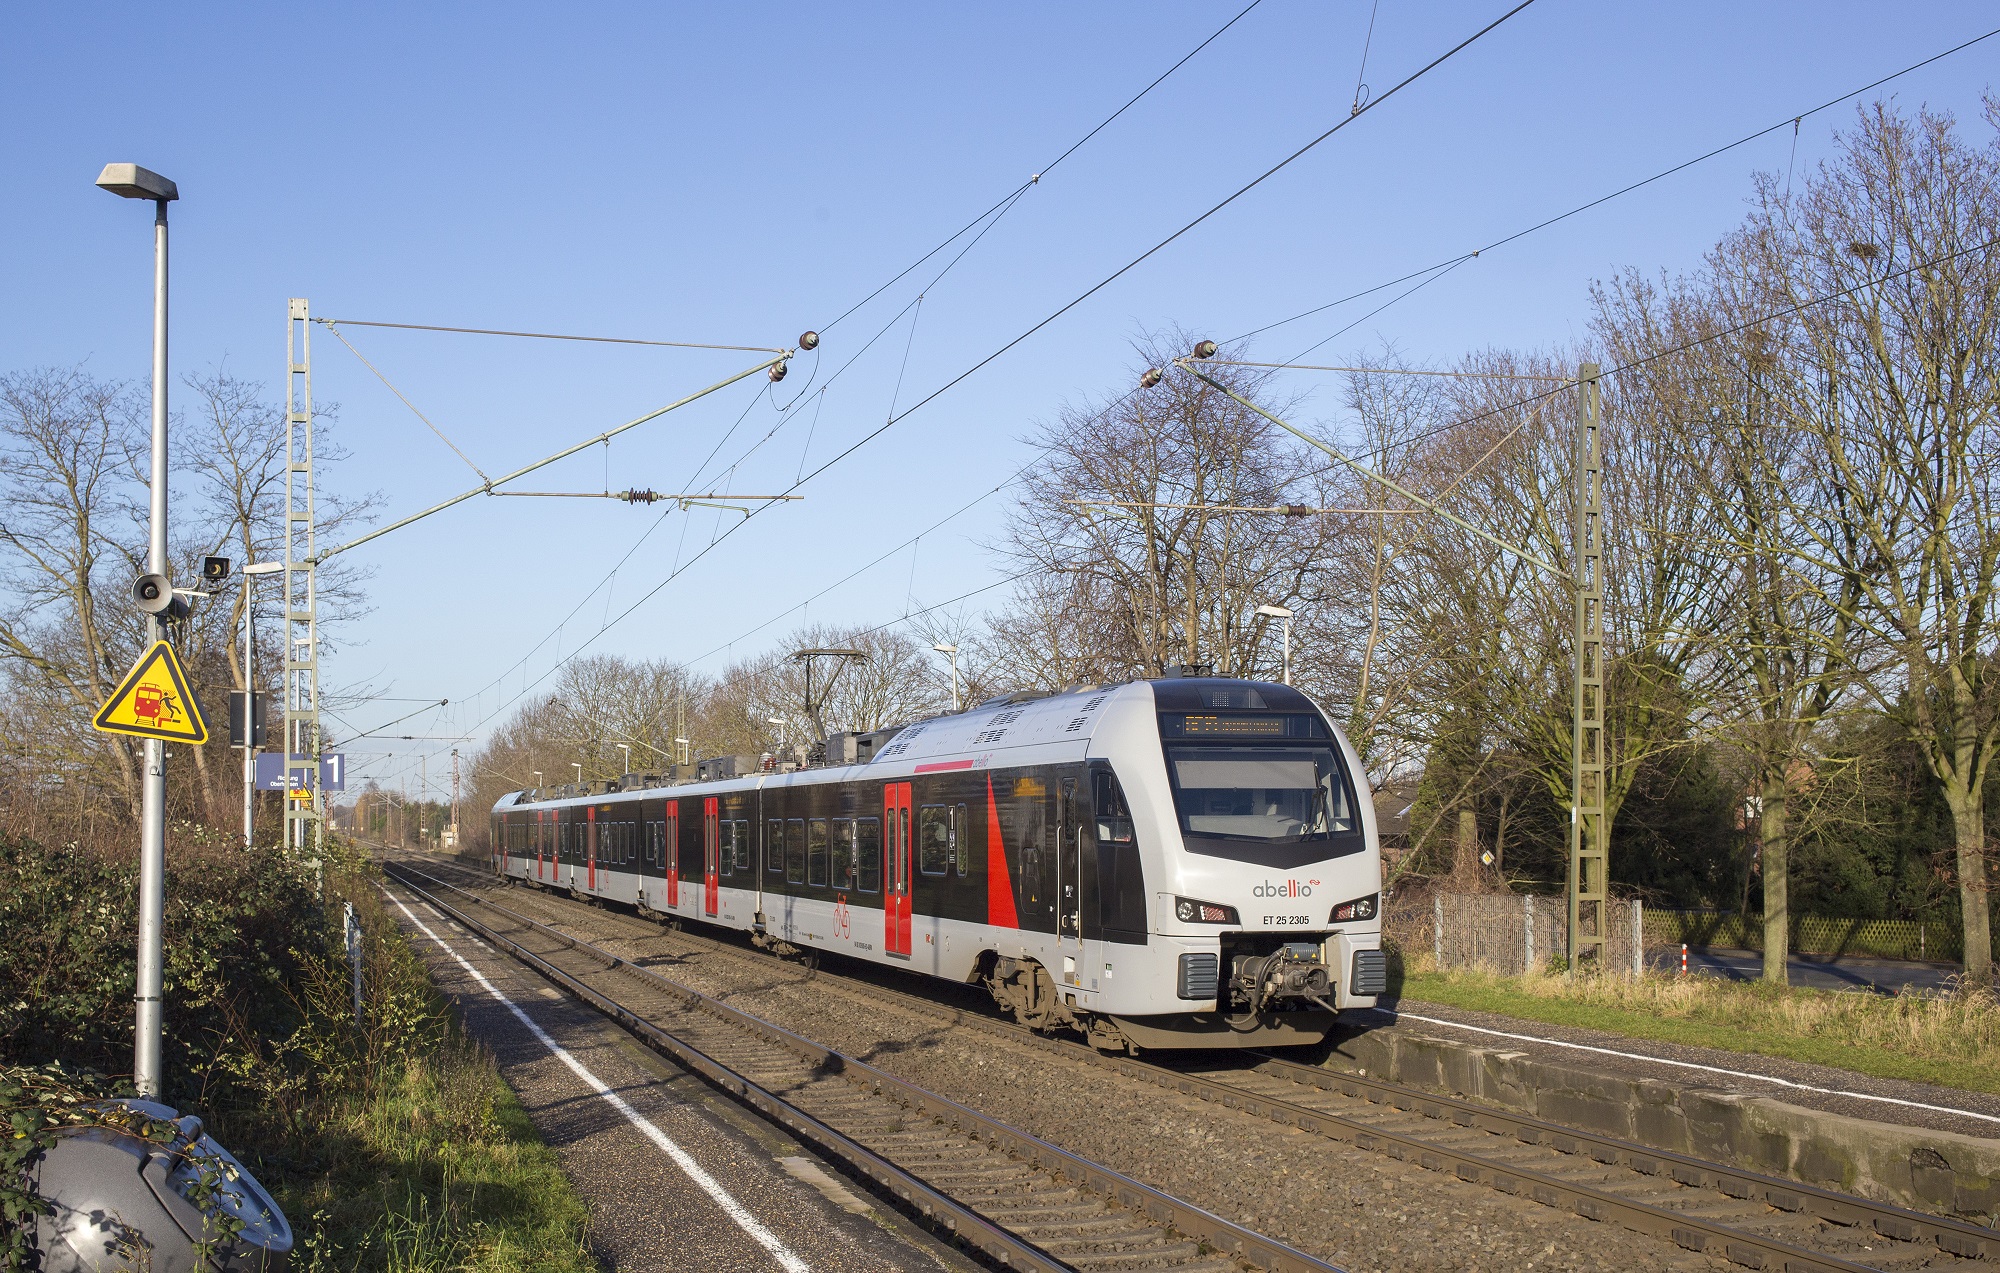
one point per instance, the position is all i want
(66, 447)
(1889, 369)
(1132, 561)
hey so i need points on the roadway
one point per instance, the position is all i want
(1820, 972)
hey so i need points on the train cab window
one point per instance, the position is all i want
(1114, 817)
(868, 854)
(933, 839)
(840, 862)
(739, 838)
(1260, 793)
(774, 844)
(961, 841)
(795, 851)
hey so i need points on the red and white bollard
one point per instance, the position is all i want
(1684, 959)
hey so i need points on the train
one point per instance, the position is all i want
(1176, 862)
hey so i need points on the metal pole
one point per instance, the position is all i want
(955, 696)
(1288, 651)
(146, 1046)
(1528, 933)
(249, 710)
(353, 935)
(1638, 938)
(1589, 849)
(1437, 929)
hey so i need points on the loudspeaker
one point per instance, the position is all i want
(154, 593)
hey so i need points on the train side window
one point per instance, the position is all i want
(774, 844)
(868, 854)
(961, 840)
(1114, 818)
(816, 853)
(795, 851)
(740, 838)
(933, 839)
(840, 867)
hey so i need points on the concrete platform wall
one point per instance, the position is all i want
(1937, 1172)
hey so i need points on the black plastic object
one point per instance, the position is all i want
(122, 1201)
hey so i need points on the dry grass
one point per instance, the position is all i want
(1949, 1039)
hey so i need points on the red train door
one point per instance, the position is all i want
(673, 853)
(896, 868)
(711, 857)
(590, 850)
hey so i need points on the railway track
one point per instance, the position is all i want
(1749, 1219)
(1020, 1201)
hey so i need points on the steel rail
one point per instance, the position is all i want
(1161, 1208)
(1901, 1224)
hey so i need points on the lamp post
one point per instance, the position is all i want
(627, 749)
(1279, 612)
(130, 181)
(952, 650)
(579, 772)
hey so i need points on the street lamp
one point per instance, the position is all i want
(133, 182)
(952, 650)
(579, 771)
(627, 749)
(1279, 612)
(538, 777)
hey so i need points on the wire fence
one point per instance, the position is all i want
(1512, 933)
(1941, 940)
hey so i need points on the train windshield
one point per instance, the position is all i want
(1271, 794)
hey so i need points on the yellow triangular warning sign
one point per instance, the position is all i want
(153, 701)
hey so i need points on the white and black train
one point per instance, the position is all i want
(1166, 863)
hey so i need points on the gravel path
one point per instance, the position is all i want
(645, 1212)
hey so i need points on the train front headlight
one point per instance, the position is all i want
(1359, 908)
(1190, 911)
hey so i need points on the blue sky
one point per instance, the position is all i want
(738, 175)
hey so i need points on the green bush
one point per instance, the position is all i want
(389, 1139)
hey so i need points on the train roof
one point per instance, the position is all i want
(1020, 720)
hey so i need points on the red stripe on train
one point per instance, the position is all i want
(937, 766)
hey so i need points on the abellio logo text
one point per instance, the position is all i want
(1284, 888)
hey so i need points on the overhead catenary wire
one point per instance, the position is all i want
(1661, 175)
(989, 217)
(1011, 196)
(1138, 260)
(1382, 371)
(1683, 347)
(404, 399)
(1099, 286)
(599, 340)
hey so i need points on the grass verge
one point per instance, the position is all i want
(1951, 1040)
(436, 1169)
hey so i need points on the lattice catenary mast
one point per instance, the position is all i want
(301, 627)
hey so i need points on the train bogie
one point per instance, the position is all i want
(1174, 863)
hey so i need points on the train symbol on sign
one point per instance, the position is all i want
(154, 705)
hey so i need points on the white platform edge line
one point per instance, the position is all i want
(1710, 1069)
(710, 1185)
